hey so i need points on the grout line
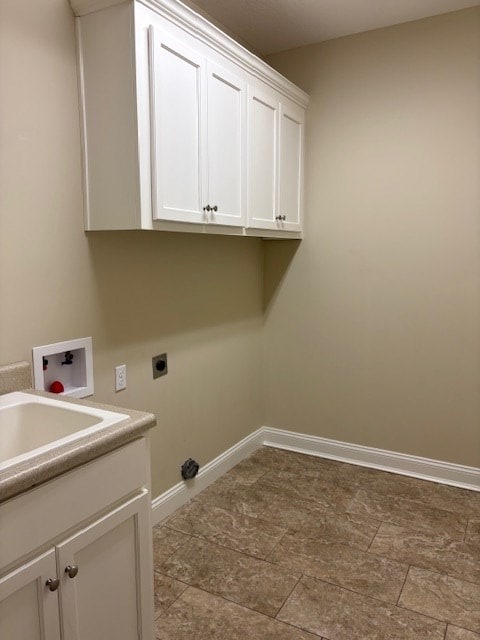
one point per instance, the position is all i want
(249, 609)
(346, 513)
(385, 603)
(370, 597)
(466, 530)
(414, 565)
(403, 586)
(215, 543)
(287, 531)
(187, 586)
(373, 540)
(288, 596)
(178, 548)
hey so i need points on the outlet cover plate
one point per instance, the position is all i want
(159, 365)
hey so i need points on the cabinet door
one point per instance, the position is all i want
(290, 202)
(226, 136)
(177, 95)
(28, 609)
(111, 595)
(263, 118)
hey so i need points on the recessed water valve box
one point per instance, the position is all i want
(65, 368)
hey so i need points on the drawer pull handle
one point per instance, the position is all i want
(71, 570)
(52, 583)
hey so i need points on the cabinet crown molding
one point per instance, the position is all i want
(186, 18)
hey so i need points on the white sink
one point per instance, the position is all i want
(30, 425)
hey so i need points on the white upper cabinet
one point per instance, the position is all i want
(290, 182)
(226, 147)
(263, 121)
(198, 126)
(183, 129)
(275, 167)
(178, 107)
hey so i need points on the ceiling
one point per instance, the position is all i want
(269, 26)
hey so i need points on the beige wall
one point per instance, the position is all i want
(198, 298)
(372, 327)
(373, 335)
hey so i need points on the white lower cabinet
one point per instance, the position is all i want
(28, 608)
(102, 586)
(95, 582)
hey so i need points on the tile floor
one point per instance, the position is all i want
(289, 547)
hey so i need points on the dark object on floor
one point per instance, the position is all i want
(190, 469)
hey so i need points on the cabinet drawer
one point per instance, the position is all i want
(42, 514)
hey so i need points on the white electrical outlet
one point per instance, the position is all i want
(121, 377)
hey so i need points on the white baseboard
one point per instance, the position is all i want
(183, 491)
(424, 468)
(434, 470)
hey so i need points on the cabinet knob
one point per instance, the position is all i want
(214, 208)
(52, 583)
(71, 570)
(207, 208)
(284, 218)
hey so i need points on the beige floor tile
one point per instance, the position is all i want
(436, 495)
(428, 551)
(349, 530)
(408, 513)
(166, 591)
(455, 633)
(309, 466)
(227, 528)
(248, 581)
(342, 565)
(442, 597)
(323, 469)
(249, 470)
(249, 499)
(358, 477)
(198, 615)
(165, 542)
(338, 614)
(473, 532)
(311, 520)
(322, 491)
